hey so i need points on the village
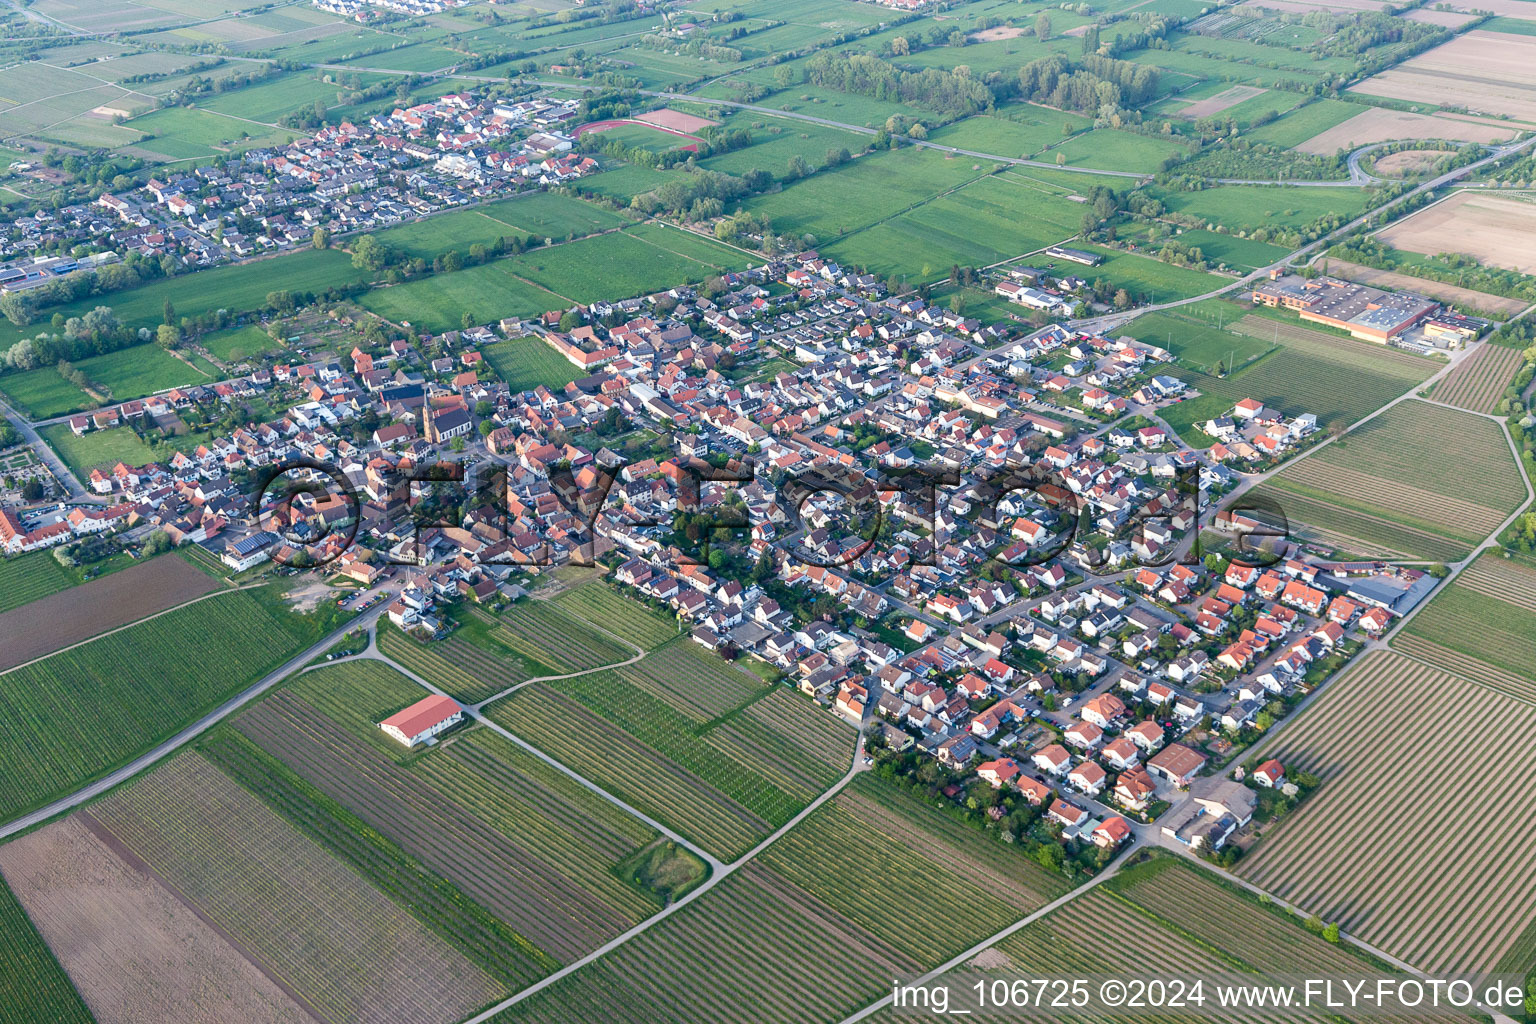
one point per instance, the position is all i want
(1064, 641)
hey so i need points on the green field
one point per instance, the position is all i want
(237, 288)
(525, 363)
(697, 743)
(641, 259)
(624, 181)
(140, 370)
(1337, 380)
(871, 189)
(25, 578)
(1482, 627)
(103, 448)
(1244, 207)
(1146, 278)
(239, 343)
(33, 987)
(775, 141)
(84, 711)
(274, 99)
(42, 393)
(821, 890)
(1016, 130)
(987, 221)
(1195, 343)
(538, 216)
(181, 132)
(1117, 151)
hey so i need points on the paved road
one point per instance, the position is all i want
(61, 472)
(188, 734)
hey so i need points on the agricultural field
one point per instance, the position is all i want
(623, 616)
(467, 670)
(1016, 130)
(1114, 150)
(1159, 915)
(538, 216)
(1395, 891)
(307, 918)
(680, 735)
(1336, 379)
(800, 907)
(1387, 469)
(527, 363)
(132, 948)
(1380, 124)
(987, 221)
(777, 141)
(1490, 72)
(42, 393)
(1303, 123)
(83, 712)
(62, 619)
(538, 632)
(34, 987)
(1479, 382)
(28, 578)
(1147, 277)
(182, 132)
(1494, 230)
(871, 189)
(1481, 627)
(1245, 207)
(558, 918)
(358, 695)
(240, 287)
(1217, 248)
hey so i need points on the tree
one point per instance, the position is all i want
(466, 321)
(168, 312)
(452, 261)
(32, 490)
(322, 238)
(478, 253)
(487, 427)
(1043, 26)
(1122, 299)
(1091, 40)
(1331, 933)
(168, 336)
(368, 253)
(798, 168)
(570, 321)
(1061, 159)
(784, 75)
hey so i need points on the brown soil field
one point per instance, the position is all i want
(1377, 124)
(1409, 161)
(134, 951)
(1496, 230)
(1445, 19)
(1485, 72)
(1466, 298)
(353, 954)
(79, 613)
(1221, 101)
(676, 120)
(992, 35)
(1478, 382)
